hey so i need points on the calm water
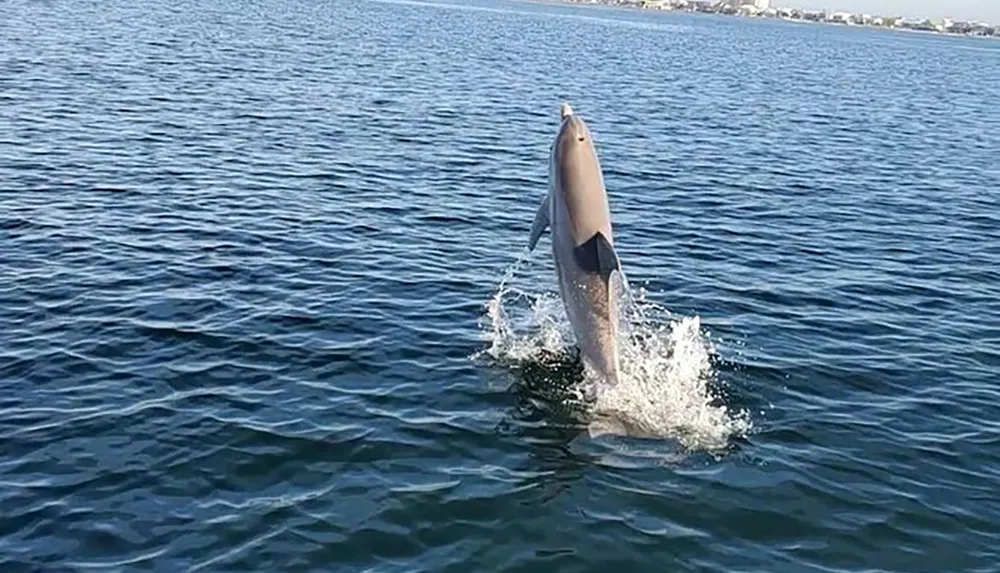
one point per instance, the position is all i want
(252, 315)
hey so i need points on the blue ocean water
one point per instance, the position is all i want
(264, 304)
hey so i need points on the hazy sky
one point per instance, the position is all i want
(988, 10)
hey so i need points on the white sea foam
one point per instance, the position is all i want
(667, 384)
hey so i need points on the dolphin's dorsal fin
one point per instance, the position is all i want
(597, 255)
(540, 223)
(565, 111)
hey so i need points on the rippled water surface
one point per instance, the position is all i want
(265, 306)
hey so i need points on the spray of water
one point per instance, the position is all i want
(667, 387)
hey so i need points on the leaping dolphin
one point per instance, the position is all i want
(576, 209)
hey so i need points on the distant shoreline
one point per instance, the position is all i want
(633, 6)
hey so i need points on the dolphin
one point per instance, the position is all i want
(576, 210)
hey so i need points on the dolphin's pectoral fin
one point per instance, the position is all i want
(540, 224)
(597, 255)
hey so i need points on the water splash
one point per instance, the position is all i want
(667, 387)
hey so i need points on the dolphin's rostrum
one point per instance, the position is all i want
(576, 209)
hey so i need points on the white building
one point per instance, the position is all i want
(762, 4)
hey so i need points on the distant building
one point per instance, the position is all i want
(841, 17)
(730, 7)
(762, 4)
